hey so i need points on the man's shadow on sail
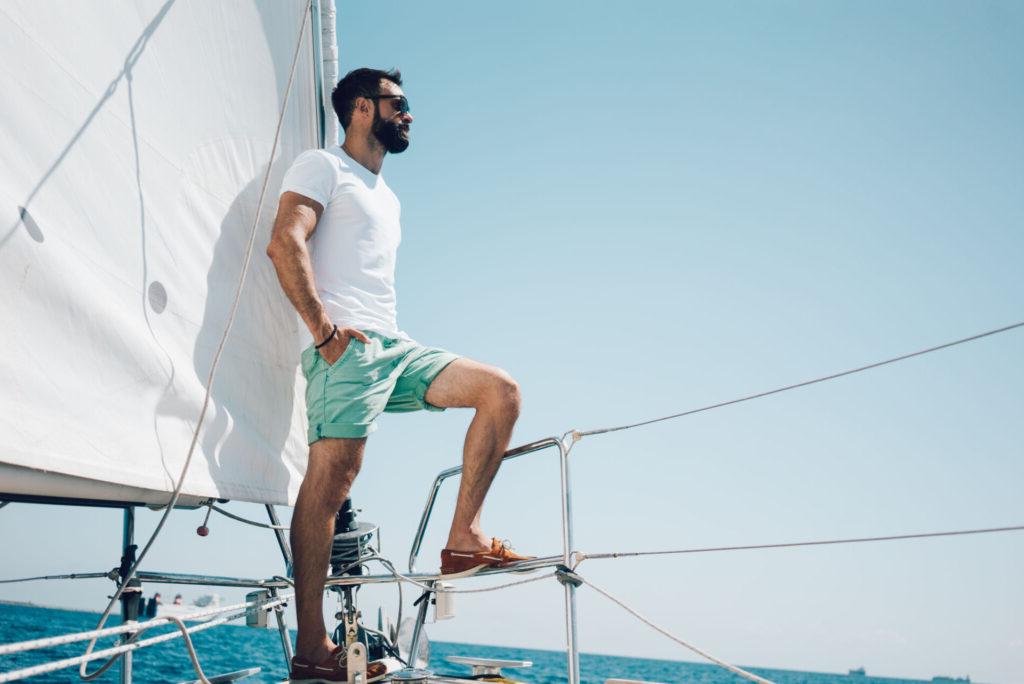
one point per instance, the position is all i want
(247, 425)
(244, 440)
(261, 353)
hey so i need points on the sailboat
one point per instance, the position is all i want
(147, 358)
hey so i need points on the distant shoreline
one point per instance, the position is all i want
(29, 604)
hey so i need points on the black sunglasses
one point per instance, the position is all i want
(402, 105)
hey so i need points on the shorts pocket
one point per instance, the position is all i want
(345, 355)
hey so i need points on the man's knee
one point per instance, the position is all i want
(503, 393)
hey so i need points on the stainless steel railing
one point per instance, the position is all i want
(567, 538)
(421, 531)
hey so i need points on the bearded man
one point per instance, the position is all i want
(334, 245)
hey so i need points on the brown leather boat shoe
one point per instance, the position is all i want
(465, 563)
(331, 669)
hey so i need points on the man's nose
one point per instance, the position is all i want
(407, 117)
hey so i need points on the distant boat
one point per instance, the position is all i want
(857, 672)
(206, 601)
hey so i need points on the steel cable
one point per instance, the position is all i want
(580, 434)
(704, 654)
(580, 556)
(247, 521)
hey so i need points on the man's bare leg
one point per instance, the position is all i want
(333, 465)
(495, 396)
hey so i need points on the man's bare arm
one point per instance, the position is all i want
(296, 220)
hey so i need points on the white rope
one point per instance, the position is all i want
(580, 434)
(247, 521)
(116, 651)
(46, 642)
(491, 588)
(213, 366)
(721, 663)
(580, 556)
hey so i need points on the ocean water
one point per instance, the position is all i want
(232, 647)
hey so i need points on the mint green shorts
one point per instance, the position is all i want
(387, 374)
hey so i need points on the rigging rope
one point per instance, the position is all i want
(580, 557)
(577, 435)
(228, 613)
(704, 654)
(47, 642)
(82, 672)
(247, 521)
(118, 651)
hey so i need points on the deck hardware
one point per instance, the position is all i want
(231, 676)
(566, 576)
(444, 602)
(488, 669)
(256, 614)
(203, 530)
(355, 663)
(412, 675)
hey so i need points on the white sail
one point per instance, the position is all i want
(136, 138)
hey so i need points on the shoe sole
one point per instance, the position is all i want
(511, 567)
(464, 573)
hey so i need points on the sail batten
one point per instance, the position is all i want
(140, 134)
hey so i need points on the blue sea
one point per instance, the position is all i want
(232, 647)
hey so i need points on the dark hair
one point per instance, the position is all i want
(359, 83)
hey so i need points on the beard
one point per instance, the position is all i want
(391, 135)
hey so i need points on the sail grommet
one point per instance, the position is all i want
(156, 293)
(31, 227)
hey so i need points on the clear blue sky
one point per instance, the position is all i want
(638, 208)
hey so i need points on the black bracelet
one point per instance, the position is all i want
(328, 338)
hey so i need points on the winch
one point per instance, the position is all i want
(351, 544)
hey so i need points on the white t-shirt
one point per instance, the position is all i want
(356, 240)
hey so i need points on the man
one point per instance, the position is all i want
(153, 604)
(334, 244)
